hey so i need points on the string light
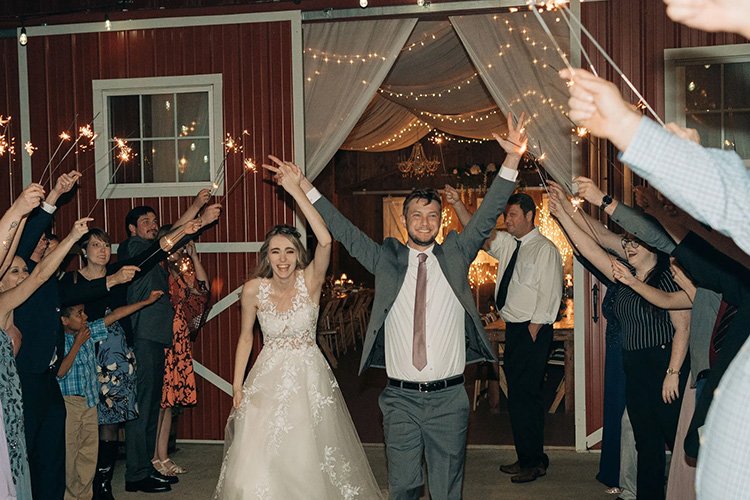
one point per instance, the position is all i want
(23, 38)
(398, 135)
(440, 137)
(107, 22)
(460, 118)
(419, 95)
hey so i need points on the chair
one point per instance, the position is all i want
(329, 331)
(557, 358)
(486, 371)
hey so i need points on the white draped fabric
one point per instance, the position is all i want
(344, 65)
(519, 65)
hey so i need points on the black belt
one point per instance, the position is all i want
(435, 385)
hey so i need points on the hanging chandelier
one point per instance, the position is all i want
(418, 165)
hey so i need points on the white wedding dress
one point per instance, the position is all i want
(292, 436)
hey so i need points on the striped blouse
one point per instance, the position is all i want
(642, 324)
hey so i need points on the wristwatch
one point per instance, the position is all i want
(606, 201)
(671, 371)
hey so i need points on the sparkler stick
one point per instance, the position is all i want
(615, 66)
(551, 37)
(578, 41)
(64, 136)
(84, 131)
(249, 166)
(179, 233)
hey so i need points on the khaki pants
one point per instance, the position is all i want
(81, 448)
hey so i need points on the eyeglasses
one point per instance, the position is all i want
(633, 243)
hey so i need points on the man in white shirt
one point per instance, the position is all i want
(528, 292)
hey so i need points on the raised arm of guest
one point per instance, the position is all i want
(18, 294)
(129, 309)
(200, 271)
(660, 298)
(12, 222)
(582, 241)
(41, 218)
(593, 227)
(289, 176)
(710, 184)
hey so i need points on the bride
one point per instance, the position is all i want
(290, 435)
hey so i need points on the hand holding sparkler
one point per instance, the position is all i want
(80, 227)
(211, 213)
(598, 105)
(558, 197)
(514, 144)
(29, 199)
(201, 199)
(154, 296)
(646, 198)
(589, 191)
(64, 184)
(123, 275)
(452, 196)
(712, 15)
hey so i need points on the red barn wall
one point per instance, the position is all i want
(256, 63)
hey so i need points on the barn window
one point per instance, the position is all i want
(160, 136)
(704, 88)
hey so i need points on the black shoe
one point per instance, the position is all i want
(148, 485)
(105, 467)
(163, 478)
(513, 468)
(528, 474)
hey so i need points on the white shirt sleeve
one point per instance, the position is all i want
(50, 209)
(314, 195)
(550, 287)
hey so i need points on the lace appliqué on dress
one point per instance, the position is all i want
(339, 472)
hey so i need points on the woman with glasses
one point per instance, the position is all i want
(655, 340)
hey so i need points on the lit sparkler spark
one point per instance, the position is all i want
(4, 146)
(581, 131)
(542, 157)
(3, 120)
(576, 201)
(29, 148)
(86, 131)
(64, 136)
(250, 165)
(124, 152)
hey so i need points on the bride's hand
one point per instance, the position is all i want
(236, 397)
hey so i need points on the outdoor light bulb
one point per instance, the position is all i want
(363, 3)
(23, 39)
(107, 22)
(420, 3)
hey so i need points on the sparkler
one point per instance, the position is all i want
(125, 154)
(248, 166)
(551, 37)
(614, 65)
(30, 148)
(84, 131)
(64, 136)
(231, 145)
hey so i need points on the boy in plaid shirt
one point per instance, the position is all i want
(80, 389)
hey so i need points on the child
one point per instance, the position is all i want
(77, 379)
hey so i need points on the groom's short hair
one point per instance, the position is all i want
(427, 194)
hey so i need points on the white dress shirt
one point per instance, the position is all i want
(445, 329)
(535, 287)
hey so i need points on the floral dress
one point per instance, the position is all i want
(292, 436)
(12, 406)
(189, 298)
(115, 370)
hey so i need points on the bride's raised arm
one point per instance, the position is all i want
(290, 177)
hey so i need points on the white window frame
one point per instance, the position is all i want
(674, 73)
(103, 89)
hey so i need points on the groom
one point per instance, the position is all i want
(425, 328)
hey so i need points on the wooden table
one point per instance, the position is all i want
(563, 331)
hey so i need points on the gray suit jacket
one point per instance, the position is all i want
(389, 262)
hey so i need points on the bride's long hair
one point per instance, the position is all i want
(264, 269)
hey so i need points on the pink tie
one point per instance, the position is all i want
(419, 347)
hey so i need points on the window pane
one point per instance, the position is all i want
(126, 171)
(194, 162)
(159, 161)
(192, 114)
(736, 83)
(737, 133)
(158, 115)
(708, 126)
(123, 112)
(703, 87)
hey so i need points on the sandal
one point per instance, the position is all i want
(613, 491)
(161, 468)
(173, 467)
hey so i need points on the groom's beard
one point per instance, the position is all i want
(421, 242)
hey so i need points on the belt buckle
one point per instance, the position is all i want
(425, 386)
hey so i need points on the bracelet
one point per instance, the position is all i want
(671, 371)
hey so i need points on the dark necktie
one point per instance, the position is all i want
(502, 289)
(724, 320)
(419, 342)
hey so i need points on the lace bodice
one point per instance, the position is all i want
(290, 329)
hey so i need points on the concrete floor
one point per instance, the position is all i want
(570, 476)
